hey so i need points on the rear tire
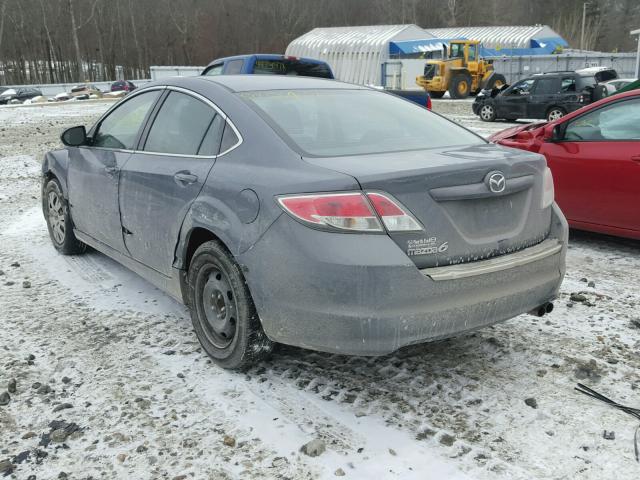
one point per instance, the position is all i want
(59, 222)
(487, 113)
(555, 113)
(222, 310)
(436, 94)
(460, 86)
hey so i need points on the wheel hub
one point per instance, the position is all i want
(555, 114)
(55, 211)
(486, 112)
(219, 306)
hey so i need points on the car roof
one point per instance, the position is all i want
(561, 72)
(265, 56)
(246, 83)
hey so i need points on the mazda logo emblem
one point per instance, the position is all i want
(496, 182)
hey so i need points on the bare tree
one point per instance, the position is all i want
(78, 40)
(75, 27)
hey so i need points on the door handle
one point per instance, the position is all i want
(636, 158)
(185, 178)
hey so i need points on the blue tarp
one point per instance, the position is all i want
(538, 46)
(409, 47)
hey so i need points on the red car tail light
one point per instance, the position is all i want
(342, 211)
(429, 102)
(394, 217)
(350, 211)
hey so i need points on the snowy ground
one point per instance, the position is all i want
(93, 345)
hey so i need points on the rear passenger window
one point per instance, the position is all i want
(234, 67)
(229, 139)
(547, 86)
(211, 142)
(180, 126)
(568, 84)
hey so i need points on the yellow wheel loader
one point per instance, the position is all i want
(462, 72)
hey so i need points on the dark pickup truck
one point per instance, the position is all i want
(272, 64)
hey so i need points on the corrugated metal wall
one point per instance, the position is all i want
(515, 68)
(401, 73)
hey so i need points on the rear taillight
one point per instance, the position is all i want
(342, 211)
(394, 217)
(428, 102)
(350, 211)
(548, 192)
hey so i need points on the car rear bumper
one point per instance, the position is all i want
(360, 294)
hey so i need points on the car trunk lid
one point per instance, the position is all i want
(447, 190)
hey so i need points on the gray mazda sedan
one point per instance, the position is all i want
(308, 212)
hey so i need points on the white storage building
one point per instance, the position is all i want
(499, 37)
(355, 54)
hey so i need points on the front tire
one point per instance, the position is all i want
(460, 86)
(487, 113)
(59, 222)
(222, 310)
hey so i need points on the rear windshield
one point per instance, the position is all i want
(586, 81)
(292, 67)
(353, 122)
(606, 75)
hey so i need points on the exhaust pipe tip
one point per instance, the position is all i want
(542, 309)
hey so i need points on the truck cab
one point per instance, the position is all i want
(267, 64)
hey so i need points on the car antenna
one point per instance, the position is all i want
(634, 412)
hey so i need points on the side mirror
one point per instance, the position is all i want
(553, 133)
(74, 136)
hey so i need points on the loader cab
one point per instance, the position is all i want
(467, 51)
(456, 50)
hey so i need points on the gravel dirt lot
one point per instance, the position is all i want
(101, 375)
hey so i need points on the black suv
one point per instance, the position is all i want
(546, 95)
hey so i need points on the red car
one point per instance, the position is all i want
(594, 155)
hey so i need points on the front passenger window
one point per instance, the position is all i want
(523, 87)
(618, 121)
(120, 128)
